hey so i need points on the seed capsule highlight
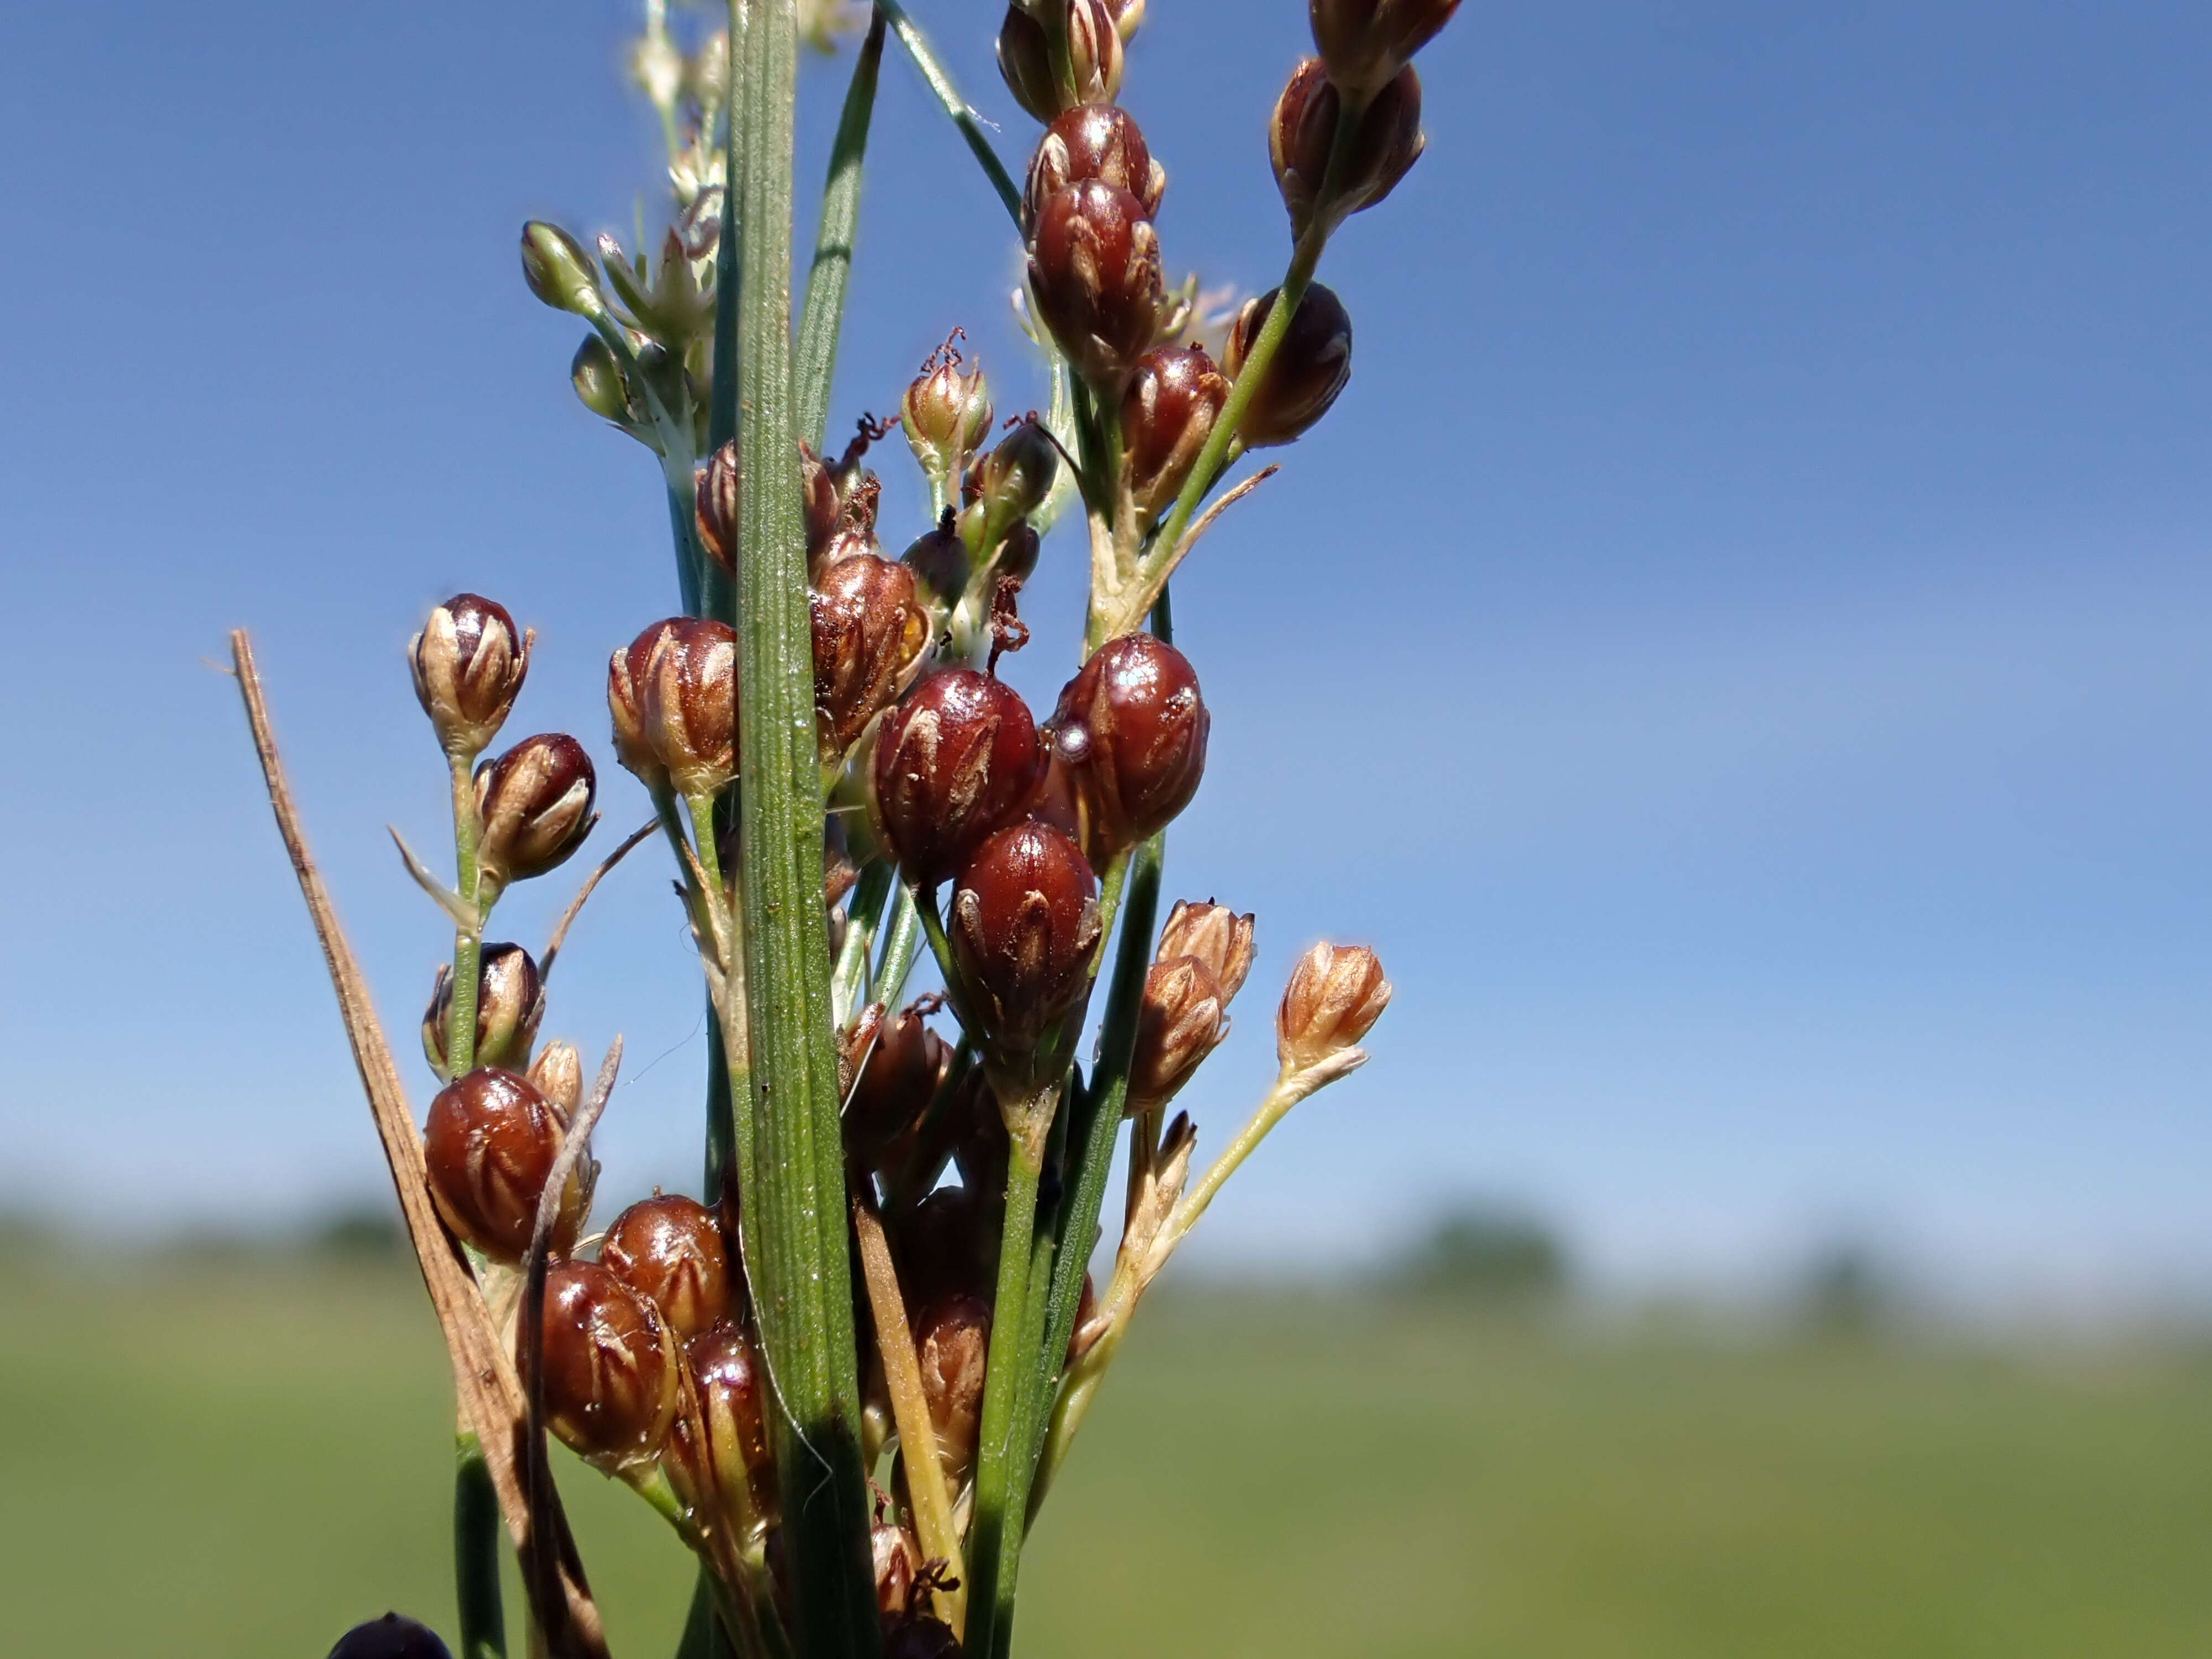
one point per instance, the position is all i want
(510, 1002)
(611, 1380)
(1094, 270)
(488, 1147)
(534, 806)
(954, 762)
(1094, 43)
(468, 663)
(1309, 370)
(1128, 742)
(669, 1249)
(1336, 994)
(1386, 143)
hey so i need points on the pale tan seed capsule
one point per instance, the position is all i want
(1336, 994)
(1216, 935)
(1180, 1022)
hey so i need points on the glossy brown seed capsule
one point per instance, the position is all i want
(715, 505)
(922, 1637)
(1024, 923)
(1216, 935)
(1094, 270)
(669, 1249)
(1025, 62)
(1366, 42)
(870, 631)
(489, 1146)
(823, 499)
(954, 762)
(1309, 369)
(946, 413)
(1336, 994)
(469, 663)
(1093, 141)
(1173, 399)
(1180, 1022)
(1130, 732)
(611, 1379)
(673, 699)
(953, 1339)
(534, 806)
(391, 1638)
(510, 1002)
(944, 1245)
(732, 1389)
(896, 1081)
(1384, 147)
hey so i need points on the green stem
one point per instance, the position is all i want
(468, 942)
(803, 1284)
(823, 320)
(1009, 1361)
(476, 1553)
(963, 113)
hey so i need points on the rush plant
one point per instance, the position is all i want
(849, 1371)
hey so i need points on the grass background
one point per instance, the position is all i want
(241, 1460)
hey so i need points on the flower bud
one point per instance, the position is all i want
(870, 632)
(600, 385)
(922, 1637)
(669, 1249)
(1016, 478)
(1025, 924)
(469, 665)
(558, 269)
(391, 1638)
(715, 491)
(611, 1369)
(1307, 372)
(823, 501)
(1384, 146)
(672, 696)
(898, 1563)
(489, 1146)
(953, 1339)
(1092, 141)
(1167, 414)
(1336, 994)
(947, 415)
(534, 805)
(1130, 732)
(1179, 1023)
(1094, 44)
(897, 1083)
(940, 564)
(1366, 42)
(955, 760)
(1094, 270)
(510, 1001)
(557, 1074)
(730, 1382)
(1017, 557)
(1216, 935)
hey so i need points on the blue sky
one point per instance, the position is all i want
(1738, 648)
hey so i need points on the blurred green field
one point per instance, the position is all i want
(240, 1461)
